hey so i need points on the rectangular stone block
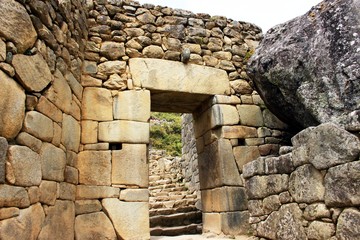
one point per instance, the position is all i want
(130, 165)
(70, 137)
(49, 109)
(39, 126)
(95, 192)
(67, 191)
(132, 105)
(245, 154)
(87, 206)
(134, 195)
(240, 132)
(263, 186)
(124, 131)
(224, 199)
(212, 223)
(235, 223)
(89, 130)
(250, 115)
(53, 162)
(94, 167)
(97, 104)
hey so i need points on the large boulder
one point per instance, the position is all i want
(307, 70)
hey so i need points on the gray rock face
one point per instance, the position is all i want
(307, 70)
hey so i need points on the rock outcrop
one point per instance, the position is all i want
(307, 70)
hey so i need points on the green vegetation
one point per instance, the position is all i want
(165, 132)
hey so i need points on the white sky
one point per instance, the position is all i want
(263, 13)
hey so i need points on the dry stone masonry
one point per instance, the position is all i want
(79, 79)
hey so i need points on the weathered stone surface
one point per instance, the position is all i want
(256, 167)
(291, 80)
(60, 93)
(112, 50)
(342, 185)
(112, 67)
(39, 126)
(157, 74)
(325, 146)
(10, 212)
(11, 196)
(49, 109)
(235, 223)
(53, 161)
(348, 225)
(28, 140)
(124, 131)
(250, 115)
(245, 154)
(130, 166)
(240, 132)
(12, 104)
(25, 164)
(132, 105)
(75, 86)
(67, 191)
(97, 104)
(32, 72)
(2, 51)
(282, 164)
(212, 222)
(16, 25)
(94, 226)
(224, 199)
(134, 195)
(89, 130)
(71, 175)
(123, 216)
(306, 184)
(70, 136)
(25, 226)
(241, 86)
(95, 192)
(263, 186)
(115, 82)
(3, 152)
(59, 221)
(320, 230)
(153, 52)
(48, 192)
(217, 166)
(271, 121)
(316, 211)
(94, 167)
(87, 206)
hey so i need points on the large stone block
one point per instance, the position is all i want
(59, 222)
(256, 167)
(60, 93)
(30, 141)
(67, 191)
(132, 105)
(87, 206)
(97, 104)
(112, 50)
(224, 199)
(240, 132)
(3, 152)
(53, 161)
(94, 167)
(48, 192)
(130, 165)
(49, 109)
(320, 230)
(306, 184)
(325, 146)
(74, 84)
(25, 226)
(263, 186)
(235, 223)
(12, 110)
(250, 115)
(39, 126)
(245, 154)
(25, 166)
(124, 131)
(70, 136)
(94, 226)
(10, 212)
(89, 130)
(32, 72)
(212, 222)
(157, 74)
(16, 25)
(112, 67)
(348, 224)
(134, 195)
(130, 219)
(11, 196)
(342, 185)
(217, 166)
(95, 192)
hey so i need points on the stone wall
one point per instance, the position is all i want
(311, 191)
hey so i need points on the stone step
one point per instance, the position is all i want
(176, 219)
(168, 211)
(176, 231)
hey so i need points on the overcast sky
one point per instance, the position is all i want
(264, 13)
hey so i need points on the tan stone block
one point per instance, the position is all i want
(34, 194)
(48, 192)
(12, 109)
(130, 166)
(235, 223)
(60, 93)
(67, 191)
(89, 130)
(111, 67)
(254, 141)
(59, 222)
(124, 131)
(132, 105)
(250, 115)
(245, 154)
(26, 225)
(94, 226)
(11, 196)
(53, 161)
(71, 175)
(49, 109)
(25, 165)
(212, 222)
(2, 51)
(89, 81)
(32, 71)
(94, 167)
(229, 199)
(134, 195)
(70, 133)
(39, 126)
(95, 192)
(75, 110)
(28, 140)
(97, 146)
(206, 200)
(97, 104)
(178, 77)
(87, 206)
(239, 132)
(123, 216)
(57, 135)
(75, 86)
(223, 99)
(10, 212)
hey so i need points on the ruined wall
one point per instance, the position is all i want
(41, 53)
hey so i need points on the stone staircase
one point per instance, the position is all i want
(172, 204)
